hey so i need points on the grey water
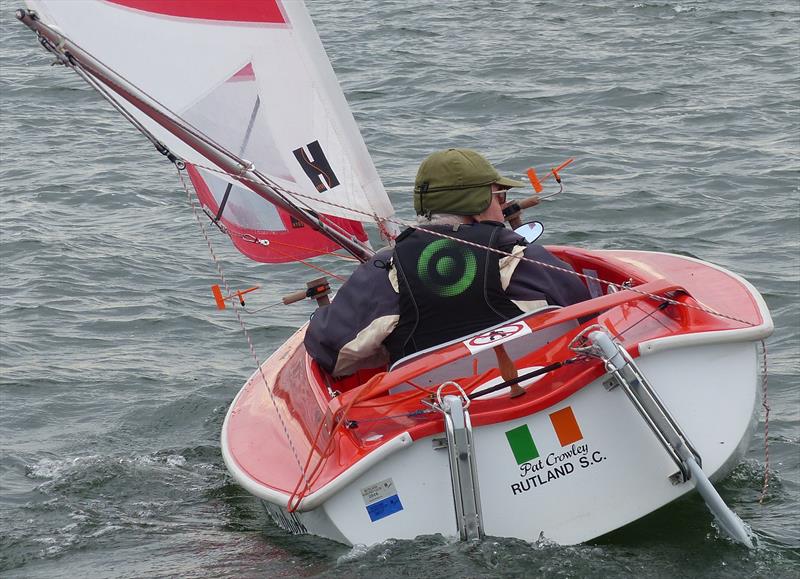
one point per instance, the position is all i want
(116, 369)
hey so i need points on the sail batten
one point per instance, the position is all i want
(255, 89)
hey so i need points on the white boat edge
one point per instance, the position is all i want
(752, 333)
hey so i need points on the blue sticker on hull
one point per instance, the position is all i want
(384, 508)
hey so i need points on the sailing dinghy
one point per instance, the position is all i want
(565, 423)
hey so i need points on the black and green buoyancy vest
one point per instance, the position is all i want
(447, 289)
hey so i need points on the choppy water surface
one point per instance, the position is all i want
(116, 370)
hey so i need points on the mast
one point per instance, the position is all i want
(71, 55)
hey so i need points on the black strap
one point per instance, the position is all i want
(224, 201)
(528, 376)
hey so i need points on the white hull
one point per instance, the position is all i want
(619, 472)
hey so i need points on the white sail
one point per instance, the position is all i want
(251, 75)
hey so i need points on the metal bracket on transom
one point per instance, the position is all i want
(463, 468)
(624, 373)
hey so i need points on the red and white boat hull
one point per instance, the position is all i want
(569, 461)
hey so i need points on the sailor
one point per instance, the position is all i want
(430, 289)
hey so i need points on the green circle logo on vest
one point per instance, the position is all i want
(447, 268)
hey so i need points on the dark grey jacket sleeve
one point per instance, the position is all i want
(348, 334)
(557, 287)
(531, 281)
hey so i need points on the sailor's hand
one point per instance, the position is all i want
(531, 201)
(512, 210)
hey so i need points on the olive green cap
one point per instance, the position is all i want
(457, 181)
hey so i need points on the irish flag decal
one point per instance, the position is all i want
(522, 444)
(564, 424)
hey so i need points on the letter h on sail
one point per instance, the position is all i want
(316, 166)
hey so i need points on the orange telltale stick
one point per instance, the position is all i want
(220, 299)
(564, 164)
(556, 170)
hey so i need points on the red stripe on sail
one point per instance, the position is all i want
(267, 11)
(293, 244)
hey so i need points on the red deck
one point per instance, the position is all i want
(300, 406)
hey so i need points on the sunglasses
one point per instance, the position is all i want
(501, 195)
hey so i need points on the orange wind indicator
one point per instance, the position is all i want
(220, 299)
(537, 184)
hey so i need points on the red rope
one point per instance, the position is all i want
(311, 265)
(307, 478)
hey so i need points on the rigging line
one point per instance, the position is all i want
(353, 423)
(261, 309)
(96, 85)
(663, 299)
(660, 307)
(250, 238)
(236, 309)
(298, 495)
(526, 259)
(524, 377)
(396, 399)
(765, 405)
(311, 265)
(421, 388)
(393, 399)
